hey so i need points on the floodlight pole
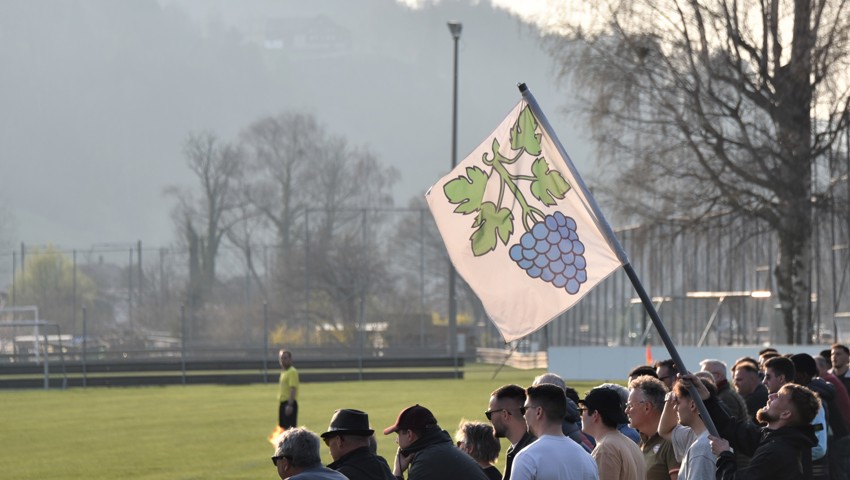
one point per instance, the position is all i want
(455, 29)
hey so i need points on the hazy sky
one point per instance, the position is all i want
(97, 97)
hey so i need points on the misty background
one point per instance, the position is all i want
(97, 97)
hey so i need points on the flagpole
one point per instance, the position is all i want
(606, 230)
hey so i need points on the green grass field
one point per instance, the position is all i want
(221, 432)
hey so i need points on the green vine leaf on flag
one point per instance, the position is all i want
(548, 185)
(493, 224)
(467, 192)
(524, 133)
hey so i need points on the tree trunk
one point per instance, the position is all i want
(792, 280)
(792, 117)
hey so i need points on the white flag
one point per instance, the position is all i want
(518, 230)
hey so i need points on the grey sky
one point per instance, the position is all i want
(97, 97)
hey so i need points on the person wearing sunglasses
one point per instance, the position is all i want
(503, 412)
(644, 408)
(297, 457)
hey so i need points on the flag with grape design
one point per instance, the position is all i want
(516, 228)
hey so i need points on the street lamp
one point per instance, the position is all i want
(454, 28)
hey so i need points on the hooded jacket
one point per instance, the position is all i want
(437, 458)
(835, 417)
(571, 426)
(781, 454)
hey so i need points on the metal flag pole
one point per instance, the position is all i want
(605, 228)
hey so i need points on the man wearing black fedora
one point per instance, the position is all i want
(348, 438)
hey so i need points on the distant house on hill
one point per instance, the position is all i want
(315, 36)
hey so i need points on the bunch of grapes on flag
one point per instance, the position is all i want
(552, 252)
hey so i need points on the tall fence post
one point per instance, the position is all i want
(46, 361)
(265, 342)
(85, 350)
(183, 342)
(130, 291)
(74, 295)
(14, 272)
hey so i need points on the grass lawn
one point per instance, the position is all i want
(196, 432)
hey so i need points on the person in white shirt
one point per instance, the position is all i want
(553, 456)
(682, 426)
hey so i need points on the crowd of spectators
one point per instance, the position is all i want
(782, 416)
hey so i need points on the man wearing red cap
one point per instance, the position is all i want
(427, 452)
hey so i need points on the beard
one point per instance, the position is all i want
(500, 431)
(764, 416)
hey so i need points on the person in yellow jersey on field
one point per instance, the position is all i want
(288, 394)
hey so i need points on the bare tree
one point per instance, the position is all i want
(204, 217)
(249, 235)
(717, 106)
(345, 194)
(282, 149)
(312, 187)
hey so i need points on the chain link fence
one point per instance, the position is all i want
(378, 287)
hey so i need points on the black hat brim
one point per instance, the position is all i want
(360, 433)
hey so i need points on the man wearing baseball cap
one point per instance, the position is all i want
(426, 451)
(347, 439)
(617, 456)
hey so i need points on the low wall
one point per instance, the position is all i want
(522, 361)
(224, 372)
(614, 363)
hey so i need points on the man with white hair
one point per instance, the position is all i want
(646, 402)
(572, 420)
(733, 402)
(297, 457)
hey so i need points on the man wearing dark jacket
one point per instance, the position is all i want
(749, 385)
(348, 440)
(781, 450)
(427, 452)
(503, 411)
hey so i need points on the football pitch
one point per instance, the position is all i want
(202, 432)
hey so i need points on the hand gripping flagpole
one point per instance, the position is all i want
(615, 245)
